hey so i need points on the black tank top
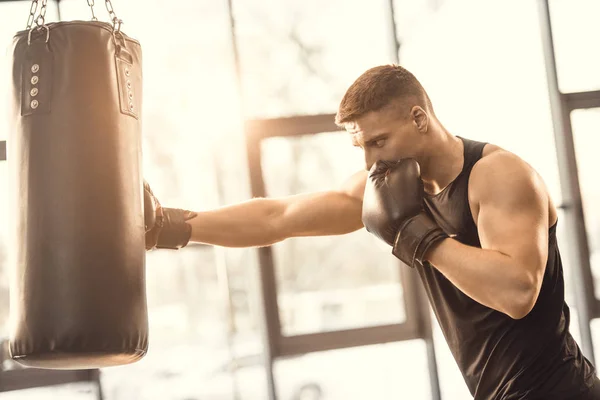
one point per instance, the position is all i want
(501, 358)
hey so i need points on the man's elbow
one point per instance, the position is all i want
(524, 302)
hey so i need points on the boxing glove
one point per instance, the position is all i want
(393, 210)
(166, 228)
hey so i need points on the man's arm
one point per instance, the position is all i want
(264, 221)
(512, 221)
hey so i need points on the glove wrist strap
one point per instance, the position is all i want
(415, 237)
(175, 232)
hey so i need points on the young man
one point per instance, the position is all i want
(474, 220)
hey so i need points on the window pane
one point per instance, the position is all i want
(576, 34)
(410, 15)
(385, 371)
(299, 57)
(74, 391)
(494, 88)
(189, 103)
(336, 282)
(586, 130)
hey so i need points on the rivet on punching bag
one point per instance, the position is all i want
(77, 256)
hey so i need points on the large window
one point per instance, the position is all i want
(576, 37)
(383, 371)
(586, 128)
(328, 283)
(298, 57)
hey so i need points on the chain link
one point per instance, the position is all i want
(91, 3)
(113, 17)
(40, 21)
(32, 12)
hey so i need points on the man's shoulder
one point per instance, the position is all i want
(496, 160)
(498, 166)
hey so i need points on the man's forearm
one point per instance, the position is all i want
(248, 224)
(487, 276)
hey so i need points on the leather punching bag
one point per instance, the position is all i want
(77, 256)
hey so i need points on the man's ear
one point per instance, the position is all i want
(420, 119)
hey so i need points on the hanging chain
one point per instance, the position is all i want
(32, 12)
(113, 17)
(92, 4)
(40, 21)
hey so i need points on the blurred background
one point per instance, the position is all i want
(239, 98)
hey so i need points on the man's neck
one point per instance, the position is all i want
(445, 163)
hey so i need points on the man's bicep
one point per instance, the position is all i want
(513, 212)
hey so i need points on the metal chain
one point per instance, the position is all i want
(91, 3)
(32, 12)
(40, 21)
(113, 17)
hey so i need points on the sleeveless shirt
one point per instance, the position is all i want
(499, 357)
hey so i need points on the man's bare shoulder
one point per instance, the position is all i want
(499, 166)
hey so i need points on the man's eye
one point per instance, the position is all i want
(379, 143)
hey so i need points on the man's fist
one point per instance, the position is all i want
(393, 210)
(166, 228)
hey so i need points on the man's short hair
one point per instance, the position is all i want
(379, 87)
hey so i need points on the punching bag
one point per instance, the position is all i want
(76, 250)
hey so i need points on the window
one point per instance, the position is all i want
(298, 58)
(576, 34)
(380, 371)
(336, 282)
(586, 127)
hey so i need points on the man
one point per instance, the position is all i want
(474, 220)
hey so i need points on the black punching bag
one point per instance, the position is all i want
(77, 256)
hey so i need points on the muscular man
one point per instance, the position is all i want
(475, 221)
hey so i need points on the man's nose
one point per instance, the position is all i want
(369, 161)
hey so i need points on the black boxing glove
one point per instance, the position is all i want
(393, 210)
(166, 228)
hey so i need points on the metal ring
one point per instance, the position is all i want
(40, 18)
(39, 28)
(117, 22)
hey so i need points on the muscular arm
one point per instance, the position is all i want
(264, 221)
(512, 222)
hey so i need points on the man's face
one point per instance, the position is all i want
(388, 134)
